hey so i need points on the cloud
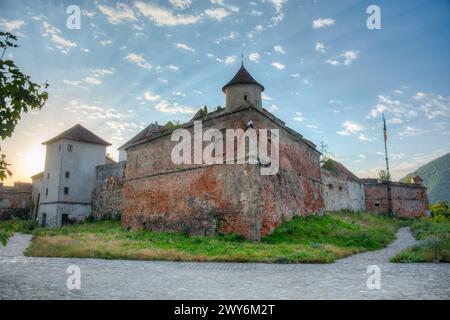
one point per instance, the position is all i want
(92, 80)
(172, 67)
(217, 13)
(161, 16)
(345, 58)
(105, 42)
(166, 107)
(433, 105)
(257, 29)
(151, 96)
(184, 47)
(95, 112)
(85, 50)
(350, 128)
(279, 49)
(265, 97)
(411, 132)
(321, 23)
(295, 75)
(396, 107)
(278, 65)
(254, 56)
(121, 13)
(231, 36)
(320, 47)
(279, 16)
(11, 25)
(138, 60)
(62, 44)
(299, 117)
(181, 4)
(228, 59)
(395, 121)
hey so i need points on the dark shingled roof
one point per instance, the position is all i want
(144, 134)
(79, 133)
(242, 77)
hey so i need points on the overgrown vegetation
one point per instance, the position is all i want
(435, 247)
(313, 239)
(8, 227)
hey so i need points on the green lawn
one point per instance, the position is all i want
(313, 239)
(435, 246)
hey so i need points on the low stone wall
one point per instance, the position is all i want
(408, 200)
(15, 201)
(107, 198)
(341, 192)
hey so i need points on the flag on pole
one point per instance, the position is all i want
(384, 128)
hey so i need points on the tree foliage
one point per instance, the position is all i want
(384, 176)
(18, 95)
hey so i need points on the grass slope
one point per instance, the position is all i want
(435, 246)
(311, 239)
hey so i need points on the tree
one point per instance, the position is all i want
(18, 95)
(384, 176)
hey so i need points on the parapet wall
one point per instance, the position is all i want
(15, 201)
(408, 200)
(107, 198)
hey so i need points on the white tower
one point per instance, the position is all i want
(242, 90)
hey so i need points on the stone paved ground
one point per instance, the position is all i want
(45, 278)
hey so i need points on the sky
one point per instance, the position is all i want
(326, 74)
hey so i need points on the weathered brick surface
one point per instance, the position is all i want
(15, 201)
(107, 198)
(407, 200)
(200, 199)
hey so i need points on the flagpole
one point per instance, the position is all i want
(387, 168)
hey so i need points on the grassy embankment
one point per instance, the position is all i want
(435, 246)
(313, 239)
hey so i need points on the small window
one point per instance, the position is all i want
(377, 204)
(46, 191)
(59, 148)
(245, 97)
(66, 190)
(330, 186)
(67, 174)
(44, 220)
(69, 148)
(340, 188)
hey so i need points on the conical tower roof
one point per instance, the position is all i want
(242, 77)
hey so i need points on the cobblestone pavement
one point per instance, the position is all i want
(45, 278)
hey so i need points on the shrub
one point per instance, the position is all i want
(440, 210)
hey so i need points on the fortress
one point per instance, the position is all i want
(149, 190)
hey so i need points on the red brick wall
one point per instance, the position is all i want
(162, 196)
(407, 200)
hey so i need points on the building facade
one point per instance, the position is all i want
(204, 199)
(69, 176)
(15, 201)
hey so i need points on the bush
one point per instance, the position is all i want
(440, 210)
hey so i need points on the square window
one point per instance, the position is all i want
(67, 174)
(69, 148)
(66, 190)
